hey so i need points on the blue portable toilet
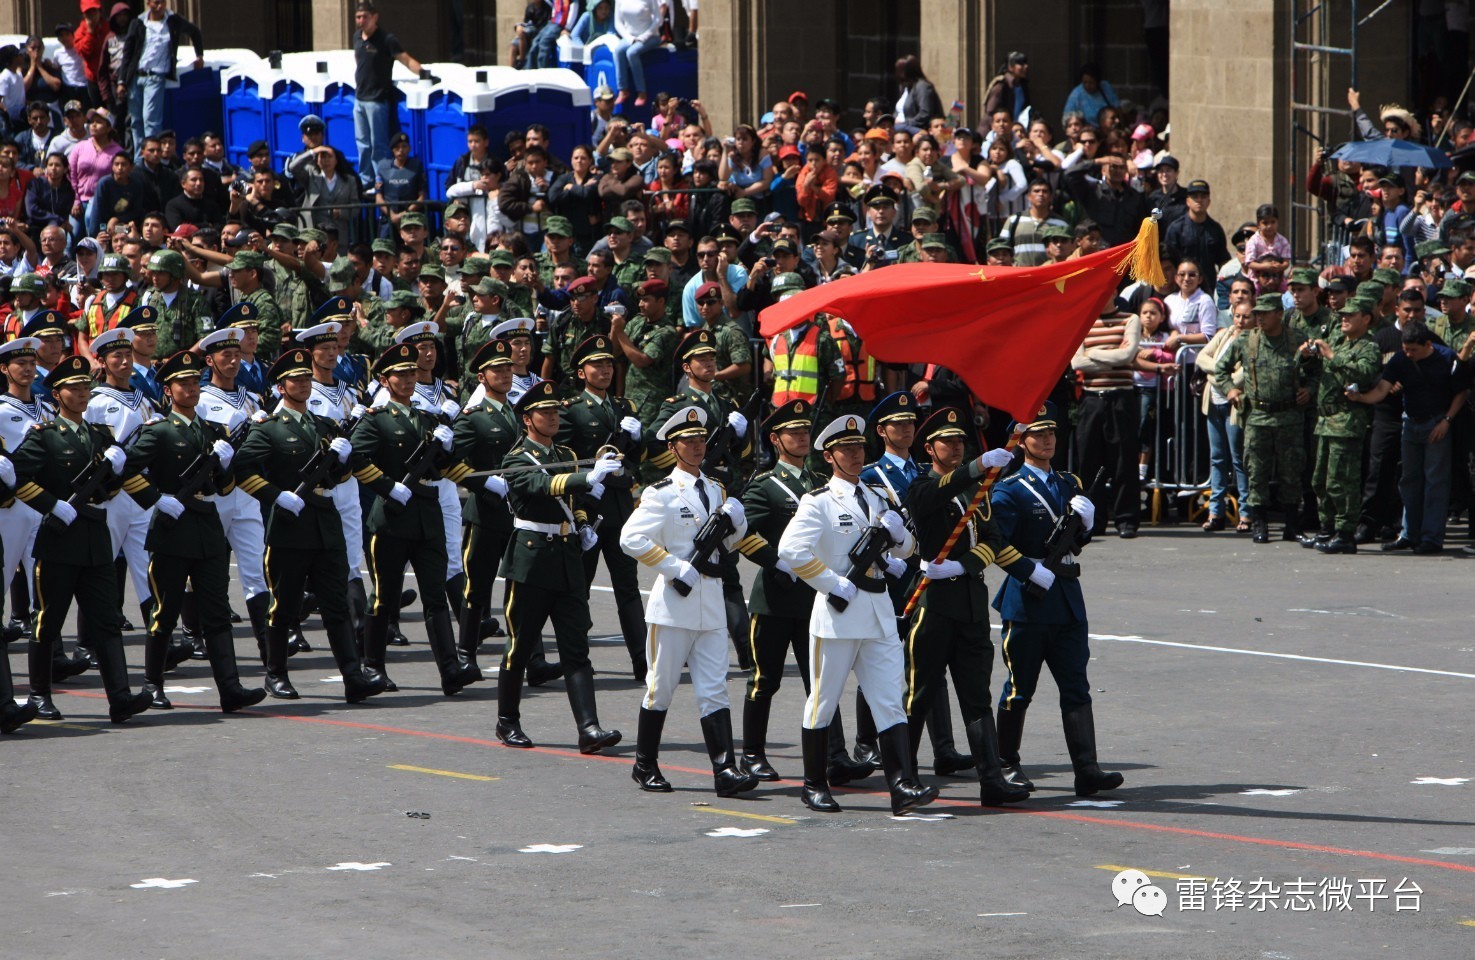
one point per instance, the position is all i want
(193, 102)
(244, 110)
(571, 55)
(599, 62)
(501, 99)
(667, 70)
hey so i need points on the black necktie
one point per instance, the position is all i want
(702, 495)
(860, 498)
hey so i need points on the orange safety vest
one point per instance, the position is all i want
(99, 320)
(795, 367)
(860, 367)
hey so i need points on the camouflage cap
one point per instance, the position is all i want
(1388, 277)
(1305, 276)
(341, 274)
(558, 227)
(1371, 289)
(934, 241)
(1357, 305)
(1452, 289)
(1268, 303)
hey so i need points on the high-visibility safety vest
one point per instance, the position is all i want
(100, 320)
(860, 367)
(795, 367)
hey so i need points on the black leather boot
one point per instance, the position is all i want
(509, 716)
(841, 769)
(39, 664)
(647, 749)
(539, 670)
(233, 696)
(189, 626)
(455, 673)
(1341, 543)
(256, 611)
(993, 789)
(816, 753)
(278, 683)
(359, 682)
(1259, 527)
(865, 732)
(376, 640)
(358, 609)
(717, 731)
(394, 636)
(1011, 732)
(755, 739)
(156, 651)
(634, 630)
(1080, 741)
(456, 595)
(896, 759)
(112, 667)
(468, 626)
(946, 760)
(592, 737)
(1312, 541)
(12, 715)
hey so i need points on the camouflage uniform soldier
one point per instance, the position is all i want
(1340, 427)
(1455, 327)
(288, 285)
(1316, 322)
(556, 230)
(184, 317)
(1275, 388)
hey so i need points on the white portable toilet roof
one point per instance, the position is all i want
(222, 58)
(479, 96)
(305, 75)
(609, 40)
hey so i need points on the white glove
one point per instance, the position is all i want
(687, 574)
(843, 589)
(290, 502)
(942, 570)
(1043, 576)
(444, 435)
(450, 408)
(895, 568)
(596, 490)
(1085, 508)
(116, 458)
(739, 423)
(400, 494)
(734, 510)
(995, 459)
(631, 426)
(7, 472)
(588, 537)
(260, 416)
(496, 486)
(604, 467)
(64, 512)
(895, 526)
(358, 411)
(224, 452)
(342, 447)
(783, 567)
(170, 506)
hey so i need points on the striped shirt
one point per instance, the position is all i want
(1106, 334)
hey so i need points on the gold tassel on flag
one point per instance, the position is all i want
(1143, 262)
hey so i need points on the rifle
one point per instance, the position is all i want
(720, 443)
(709, 539)
(317, 470)
(424, 460)
(866, 553)
(1066, 539)
(84, 485)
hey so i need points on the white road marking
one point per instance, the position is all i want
(1096, 803)
(355, 865)
(1440, 781)
(1282, 656)
(1003, 914)
(1263, 792)
(786, 906)
(924, 817)
(737, 832)
(1451, 851)
(331, 680)
(169, 689)
(552, 848)
(161, 884)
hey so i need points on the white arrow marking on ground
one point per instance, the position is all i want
(552, 848)
(355, 865)
(1440, 781)
(1096, 803)
(161, 884)
(271, 876)
(1263, 792)
(186, 689)
(1451, 851)
(924, 817)
(737, 832)
(331, 680)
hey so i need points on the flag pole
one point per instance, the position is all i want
(984, 486)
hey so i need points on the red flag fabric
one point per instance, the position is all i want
(1009, 332)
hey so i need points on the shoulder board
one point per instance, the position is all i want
(674, 399)
(42, 426)
(559, 448)
(281, 418)
(760, 477)
(567, 403)
(470, 408)
(662, 484)
(816, 491)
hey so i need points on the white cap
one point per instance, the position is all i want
(520, 325)
(224, 337)
(112, 337)
(413, 332)
(686, 421)
(18, 344)
(321, 333)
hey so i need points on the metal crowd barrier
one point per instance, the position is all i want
(1179, 443)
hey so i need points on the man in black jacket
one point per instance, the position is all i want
(1110, 201)
(1198, 236)
(149, 53)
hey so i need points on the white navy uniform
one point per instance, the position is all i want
(429, 397)
(690, 630)
(124, 412)
(18, 522)
(240, 513)
(336, 402)
(863, 638)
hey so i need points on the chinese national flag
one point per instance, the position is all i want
(1007, 331)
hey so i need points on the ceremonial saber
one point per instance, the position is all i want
(984, 487)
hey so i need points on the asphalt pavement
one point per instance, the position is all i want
(1293, 730)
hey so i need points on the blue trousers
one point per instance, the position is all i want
(1226, 456)
(545, 46)
(1424, 483)
(371, 133)
(629, 69)
(1062, 647)
(145, 108)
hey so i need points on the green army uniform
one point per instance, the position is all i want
(180, 324)
(647, 386)
(733, 347)
(190, 548)
(407, 529)
(519, 300)
(474, 330)
(73, 561)
(563, 340)
(910, 252)
(949, 630)
(1322, 324)
(586, 424)
(291, 295)
(1453, 334)
(305, 550)
(544, 570)
(1274, 442)
(268, 314)
(1341, 428)
(630, 273)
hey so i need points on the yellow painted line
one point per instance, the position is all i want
(441, 773)
(1117, 868)
(65, 726)
(750, 816)
(1467, 923)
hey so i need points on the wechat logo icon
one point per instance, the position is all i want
(1133, 887)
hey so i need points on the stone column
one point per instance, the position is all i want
(752, 56)
(965, 42)
(332, 21)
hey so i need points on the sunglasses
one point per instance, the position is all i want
(717, 300)
(580, 295)
(704, 254)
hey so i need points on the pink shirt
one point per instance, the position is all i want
(90, 165)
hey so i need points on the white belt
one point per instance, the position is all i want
(551, 529)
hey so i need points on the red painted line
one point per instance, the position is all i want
(1013, 810)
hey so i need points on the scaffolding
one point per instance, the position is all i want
(1316, 58)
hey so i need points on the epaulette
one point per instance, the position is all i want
(662, 484)
(673, 399)
(760, 477)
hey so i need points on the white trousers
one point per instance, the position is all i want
(704, 651)
(351, 516)
(878, 666)
(128, 528)
(240, 515)
(18, 526)
(450, 513)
